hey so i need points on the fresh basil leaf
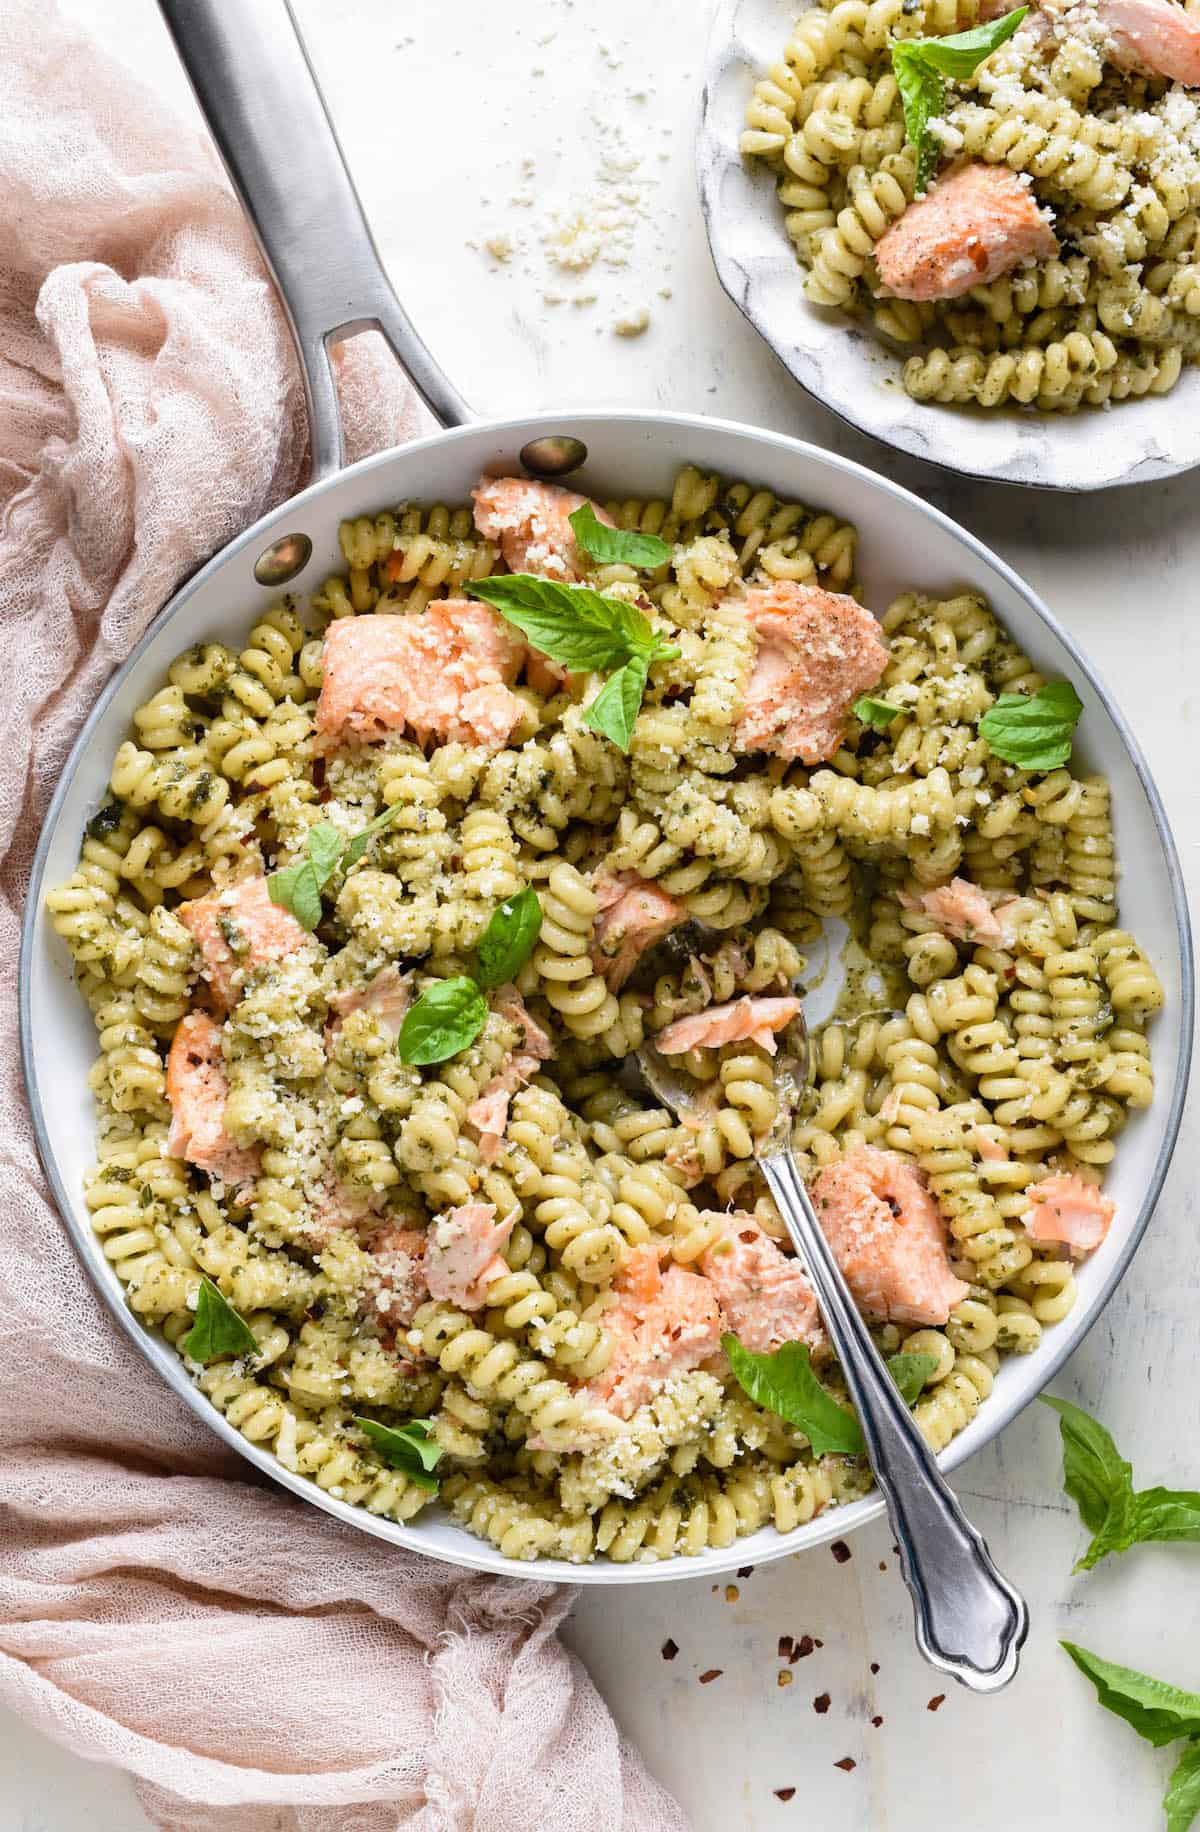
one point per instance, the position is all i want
(298, 889)
(1100, 1482)
(960, 54)
(358, 845)
(876, 713)
(617, 546)
(922, 97)
(921, 64)
(1181, 1802)
(1094, 1472)
(1157, 1711)
(784, 1382)
(574, 625)
(324, 850)
(443, 1021)
(507, 942)
(1033, 732)
(218, 1330)
(408, 1448)
(615, 708)
(910, 1372)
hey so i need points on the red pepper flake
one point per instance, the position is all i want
(821, 1703)
(732, 1593)
(883, 1564)
(745, 1571)
(804, 1647)
(818, 1643)
(786, 1644)
(841, 1551)
(669, 1649)
(846, 1764)
(784, 1677)
(784, 1793)
(877, 1721)
(706, 1679)
(874, 1666)
(935, 1702)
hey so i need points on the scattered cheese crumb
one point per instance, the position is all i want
(632, 324)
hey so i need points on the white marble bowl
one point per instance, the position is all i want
(845, 366)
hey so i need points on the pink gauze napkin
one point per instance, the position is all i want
(252, 1663)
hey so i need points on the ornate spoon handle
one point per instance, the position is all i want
(970, 1622)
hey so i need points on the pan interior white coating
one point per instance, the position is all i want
(904, 543)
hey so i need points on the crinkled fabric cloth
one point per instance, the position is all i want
(251, 1662)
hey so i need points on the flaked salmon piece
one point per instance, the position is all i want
(535, 1041)
(888, 1237)
(488, 1113)
(397, 1289)
(816, 651)
(634, 914)
(744, 1020)
(1070, 1211)
(1156, 36)
(237, 929)
(197, 1088)
(532, 523)
(463, 1253)
(972, 226)
(988, 1149)
(765, 1295)
(662, 1324)
(967, 913)
(445, 672)
(388, 996)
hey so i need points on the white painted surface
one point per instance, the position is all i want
(459, 104)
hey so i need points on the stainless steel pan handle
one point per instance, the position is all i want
(254, 82)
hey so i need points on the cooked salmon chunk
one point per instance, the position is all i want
(973, 225)
(197, 1088)
(387, 996)
(888, 1237)
(445, 672)
(396, 1289)
(1070, 1211)
(463, 1254)
(815, 652)
(488, 1113)
(633, 915)
(661, 1324)
(1159, 37)
(238, 929)
(532, 523)
(745, 1020)
(967, 913)
(764, 1295)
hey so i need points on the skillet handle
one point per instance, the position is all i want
(260, 97)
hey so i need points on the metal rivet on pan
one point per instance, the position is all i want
(283, 559)
(554, 455)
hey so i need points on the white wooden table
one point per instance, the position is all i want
(438, 103)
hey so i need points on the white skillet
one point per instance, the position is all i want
(278, 144)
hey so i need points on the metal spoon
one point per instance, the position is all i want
(970, 1622)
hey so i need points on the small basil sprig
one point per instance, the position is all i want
(508, 940)
(921, 66)
(784, 1382)
(584, 629)
(449, 1016)
(617, 546)
(218, 1330)
(1160, 1713)
(445, 1019)
(298, 886)
(405, 1447)
(1033, 731)
(878, 714)
(1100, 1482)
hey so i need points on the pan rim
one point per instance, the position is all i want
(840, 1521)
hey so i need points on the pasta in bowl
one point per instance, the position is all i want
(363, 1160)
(993, 212)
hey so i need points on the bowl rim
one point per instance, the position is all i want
(713, 159)
(837, 1522)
